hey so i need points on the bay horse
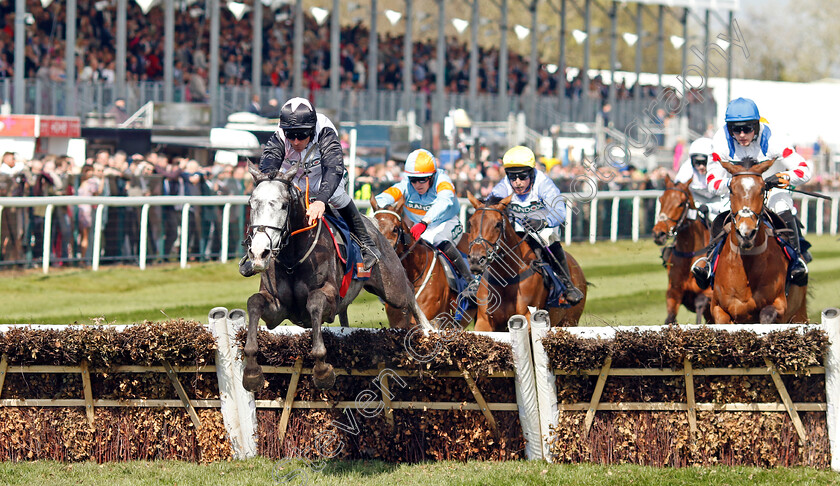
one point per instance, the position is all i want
(301, 273)
(422, 266)
(752, 267)
(678, 219)
(509, 280)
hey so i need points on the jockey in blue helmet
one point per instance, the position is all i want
(746, 134)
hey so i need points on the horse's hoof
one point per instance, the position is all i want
(253, 380)
(323, 376)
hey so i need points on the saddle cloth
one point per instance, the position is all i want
(349, 251)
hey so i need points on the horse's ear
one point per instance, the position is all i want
(473, 200)
(398, 206)
(288, 175)
(731, 168)
(669, 183)
(504, 202)
(760, 168)
(256, 173)
(373, 204)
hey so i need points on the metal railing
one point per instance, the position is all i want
(609, 215)
(543, 111)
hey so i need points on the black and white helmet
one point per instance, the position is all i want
(298, 113)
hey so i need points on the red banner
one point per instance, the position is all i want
(60, 127)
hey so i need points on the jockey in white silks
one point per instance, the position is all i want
(693, 170)
(430, 205)
(536, 202)
(746, 135)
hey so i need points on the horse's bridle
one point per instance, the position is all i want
(283, 241)
(402, 237)
(747, 213)
(680, 222)
(492, 248)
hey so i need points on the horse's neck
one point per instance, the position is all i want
(760, 246)
(298, 244)
(418, 259)
(516, 252)
(693, 237)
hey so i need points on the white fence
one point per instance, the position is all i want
(824, 214)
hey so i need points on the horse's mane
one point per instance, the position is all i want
(748, 162)
(492, 200)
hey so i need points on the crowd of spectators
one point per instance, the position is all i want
(475, 170)
(96, 51)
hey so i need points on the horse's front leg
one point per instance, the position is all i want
(720, 316)
(772, 313)
(252, 378)
(701, 306)
(323, 375)
(673, 299)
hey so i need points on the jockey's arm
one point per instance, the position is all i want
(717, 178)
(391, 195)
(332, 163)
(797, 168)
(273, 155)
(444, 200)
(555, 203)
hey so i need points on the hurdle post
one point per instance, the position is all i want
(831, 326)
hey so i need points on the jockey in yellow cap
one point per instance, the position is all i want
(536, 206)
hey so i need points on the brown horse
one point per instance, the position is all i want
(509, 281)
(752, 267)
(690, 239)
(422, 266)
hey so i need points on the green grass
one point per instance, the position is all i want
(373, 473)
(628, 288)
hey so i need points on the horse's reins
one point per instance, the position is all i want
(748, 213)
(401, 237)
(493, 250)
(681, 221)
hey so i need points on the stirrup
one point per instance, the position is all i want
(799, 273)
(702, 276)
(573, 294)
(369, 257)
(471, 289)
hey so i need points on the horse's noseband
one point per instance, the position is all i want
(680, 222)
(492, 248)
(254, 229)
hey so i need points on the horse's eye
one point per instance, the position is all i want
(498, 225)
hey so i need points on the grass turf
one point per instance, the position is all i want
(628, 288)
(262, 471)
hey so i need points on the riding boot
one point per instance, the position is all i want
(454, 256)
(351, 215)
(798, 270)
(561, 268)
(702, 268)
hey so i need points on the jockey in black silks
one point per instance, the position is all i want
(309, 141)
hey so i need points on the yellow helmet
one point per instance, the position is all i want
(519, 156)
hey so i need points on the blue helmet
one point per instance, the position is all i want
(741, 110)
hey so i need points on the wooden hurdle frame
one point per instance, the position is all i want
(89, 403)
